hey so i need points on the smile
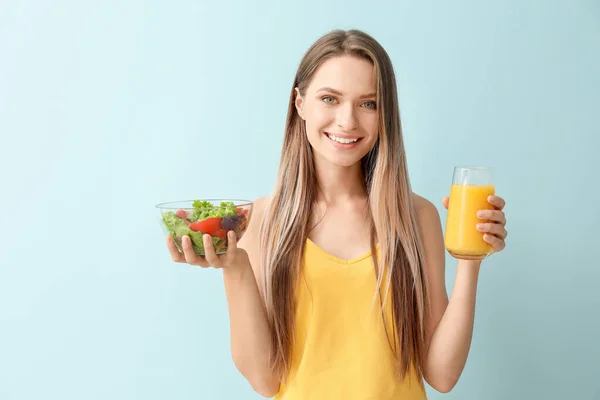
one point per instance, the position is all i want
(342, 139)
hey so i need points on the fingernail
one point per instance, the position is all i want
(479, 227)
(480, 214)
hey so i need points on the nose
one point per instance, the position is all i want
(346, 118)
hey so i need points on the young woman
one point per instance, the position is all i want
(336, 290)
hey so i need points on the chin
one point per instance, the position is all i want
(345, 161)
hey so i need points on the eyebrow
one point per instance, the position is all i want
(337, 92)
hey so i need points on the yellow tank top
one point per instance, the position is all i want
(341, 349)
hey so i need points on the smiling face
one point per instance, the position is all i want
(340, 110)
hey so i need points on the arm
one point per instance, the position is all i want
(249, 328)
(450, 328)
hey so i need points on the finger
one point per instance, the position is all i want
(189, 254)
(188, 250)
(209, 250)
(494, 229)
(492, 215)
(497, 202)
(174, 251)
(497, 243)
(231, 247)
(446, 201)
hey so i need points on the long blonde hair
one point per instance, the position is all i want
(395, 226)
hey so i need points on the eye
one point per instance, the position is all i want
(370, 105)
(328, 99)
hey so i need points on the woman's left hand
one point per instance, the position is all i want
(495, 228)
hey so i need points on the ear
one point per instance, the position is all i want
(299, 103)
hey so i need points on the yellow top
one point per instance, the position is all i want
(341, 348)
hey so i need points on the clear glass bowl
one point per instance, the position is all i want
(195, 218)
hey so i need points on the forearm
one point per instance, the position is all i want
(451, 340)
(249, 329)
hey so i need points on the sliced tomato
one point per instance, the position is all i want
(221, 234)
(212, 226)
(241, 210)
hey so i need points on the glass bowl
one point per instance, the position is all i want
(195, 218)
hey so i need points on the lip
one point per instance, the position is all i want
(342, 146)
(341, 136)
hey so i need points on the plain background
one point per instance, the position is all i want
(110, 107)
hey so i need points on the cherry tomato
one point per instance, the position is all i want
(182, 214)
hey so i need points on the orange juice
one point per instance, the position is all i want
(463, 240)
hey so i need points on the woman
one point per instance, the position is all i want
(336, 290)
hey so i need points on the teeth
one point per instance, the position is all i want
(341, 140)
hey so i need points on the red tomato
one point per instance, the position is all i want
(182, 214)
(221, 234)
(212, 226)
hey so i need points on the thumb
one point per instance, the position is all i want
(231, 247)
(445, 202)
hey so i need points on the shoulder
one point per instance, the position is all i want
(260, 204)
(426, 211)
(430, 227)
(257, 213)
(250, 241)
(259, 207)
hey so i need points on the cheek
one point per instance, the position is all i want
(318, 118)
(370, 125)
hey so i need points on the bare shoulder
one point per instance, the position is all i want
(430, 226)
(251, 236)
(251, 239)
(262, 202)
(426, 210)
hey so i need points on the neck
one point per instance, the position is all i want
(339, 184)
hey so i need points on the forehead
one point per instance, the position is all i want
(348, 74)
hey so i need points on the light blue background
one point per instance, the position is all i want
(109, 107)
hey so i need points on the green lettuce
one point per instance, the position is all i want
(175, 224)
(205, 209)
(178, 228)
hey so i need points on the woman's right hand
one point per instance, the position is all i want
(233, 257)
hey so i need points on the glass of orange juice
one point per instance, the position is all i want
(469, 193)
